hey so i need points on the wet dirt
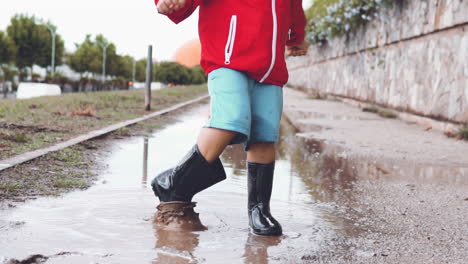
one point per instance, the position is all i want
(178, 216)
(334, 207)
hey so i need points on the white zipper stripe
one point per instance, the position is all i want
(273, 44)
(230, 41)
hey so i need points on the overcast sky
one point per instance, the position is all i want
(131, 25)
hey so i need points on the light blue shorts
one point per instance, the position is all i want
(241, 104)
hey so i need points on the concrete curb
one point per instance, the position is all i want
(21, 158)
(426, 122)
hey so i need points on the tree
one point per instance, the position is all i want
(45, 60)
(140, 70)
(7, 54)
(172, 72)
(111, 55)
(33, 42)
(198, 76)
(7, 49)
(124, 67)
(86, 58)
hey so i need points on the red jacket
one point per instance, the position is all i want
(247, 35)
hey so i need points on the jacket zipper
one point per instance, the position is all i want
(273, 43)
(230, 41)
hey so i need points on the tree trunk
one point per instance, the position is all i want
(80, 84)
(4, 89)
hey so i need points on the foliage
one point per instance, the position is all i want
(333, 18)
(57, 78)
(7, 49)
(112, 63)
(198, 75)
(33, 42)
(86, 57)
(46, 49)
(463, 133)
(172, 72)
(319, 8)
(8, 73)
(175, 73)
(124, 67)
(140, 70)
(119, 83)
(381, 112)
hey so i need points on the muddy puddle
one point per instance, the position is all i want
(112, 222)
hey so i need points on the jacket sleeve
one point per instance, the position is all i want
(181, 15)
(298, 23)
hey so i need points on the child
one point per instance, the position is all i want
(243, 44)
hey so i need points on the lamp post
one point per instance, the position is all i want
(133, 73)
(104, 46)
(53, 32)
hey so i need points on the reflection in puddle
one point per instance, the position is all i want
(112, 222)
(144, 181)
(175, 225)
(256, 248)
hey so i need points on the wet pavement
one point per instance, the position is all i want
(335, 207)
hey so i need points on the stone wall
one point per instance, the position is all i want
(413, 58)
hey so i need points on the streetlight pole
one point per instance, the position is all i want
(133, 73)
(104, 46)
(53, 31)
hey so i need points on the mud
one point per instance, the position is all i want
(178, 216)
(335, 207)
(27, 128)
(30, 260)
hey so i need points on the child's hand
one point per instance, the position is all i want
(297, 50)
(166, 7)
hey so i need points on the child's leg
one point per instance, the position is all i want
(261, 152)
(212, 141)
(267, 104)
(229, 123)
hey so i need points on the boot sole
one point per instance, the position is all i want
(266, 233)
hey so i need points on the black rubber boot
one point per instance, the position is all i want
(260, 184)
(192, 175)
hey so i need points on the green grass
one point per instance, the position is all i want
(371, 109)
(387, 114)
(462, 133)
(52, 119)
(326, 97)
(316, 97)
(72, 157)
(10, 187)
(65, 183)
(381, 112)
(17, 137)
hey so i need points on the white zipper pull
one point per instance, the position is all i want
(289, 34)
(230, 41)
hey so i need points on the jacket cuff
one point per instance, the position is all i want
(180, 15)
